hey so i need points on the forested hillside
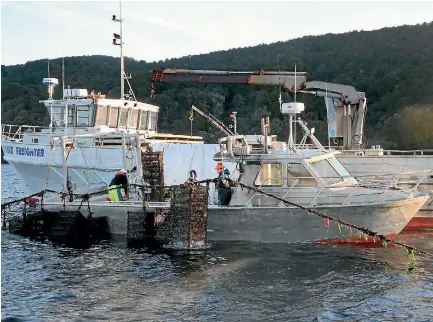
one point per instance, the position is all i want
(394, 66)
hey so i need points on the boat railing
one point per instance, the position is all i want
(402, 178)
(385, 152)
(260, 187)
(16, 132)
(409, 152)
(329, 192)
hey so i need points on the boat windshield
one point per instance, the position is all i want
(326, 171)
(78, 115)
(298, 175)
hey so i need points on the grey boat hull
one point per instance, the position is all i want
(274, 224)
(291, 225)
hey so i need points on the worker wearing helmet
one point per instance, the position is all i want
(222, 185)
(119, 181)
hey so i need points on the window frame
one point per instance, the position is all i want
(269, 179)
(328, 180)
(295, 184)
(122, 112)
(144, 117)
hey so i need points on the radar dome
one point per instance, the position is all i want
(51, 83)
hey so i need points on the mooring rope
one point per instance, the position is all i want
(367, 232)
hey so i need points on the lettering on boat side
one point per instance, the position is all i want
(8, 149)
(30, 152)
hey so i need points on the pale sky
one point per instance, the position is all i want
(155, 30)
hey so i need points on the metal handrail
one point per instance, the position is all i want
(387, 151)
(13, 132)
(246, 204)
(380, 192)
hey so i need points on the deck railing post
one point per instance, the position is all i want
(64, 164)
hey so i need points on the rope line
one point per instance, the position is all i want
(383, 238)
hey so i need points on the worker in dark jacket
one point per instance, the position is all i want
(222, 185)
(119, 181)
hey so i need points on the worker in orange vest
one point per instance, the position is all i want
(222, 185)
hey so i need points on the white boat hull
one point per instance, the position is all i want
(92, 167)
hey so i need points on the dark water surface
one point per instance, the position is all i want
(228, 282)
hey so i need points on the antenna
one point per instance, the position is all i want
(50, 83)
(63, 76)
(279, 80)
(120, 38)
(123, 75)
(327, 102)
(294, 139)
(292, 109)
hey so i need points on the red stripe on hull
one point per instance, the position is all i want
(358, 241)
(419, 223)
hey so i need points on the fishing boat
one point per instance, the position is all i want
(346, 113)
(312, 178)
(91, 136)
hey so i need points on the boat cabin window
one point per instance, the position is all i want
(102, 115)
(144, 120)
(58, 115)
(78, 115)
(133, 118)
(270, 174)
(114, 111)
(123, 118)
(148, 120)
(153, 121)
(71, 115)
(298, 175)
(85, 115)
(326, 171)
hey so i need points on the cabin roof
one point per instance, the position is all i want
(103, 101)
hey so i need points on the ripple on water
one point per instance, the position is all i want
(228, 282)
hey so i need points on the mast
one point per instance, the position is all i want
(63, 77)
(120, 38)
(294, 123)
(122, 66)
